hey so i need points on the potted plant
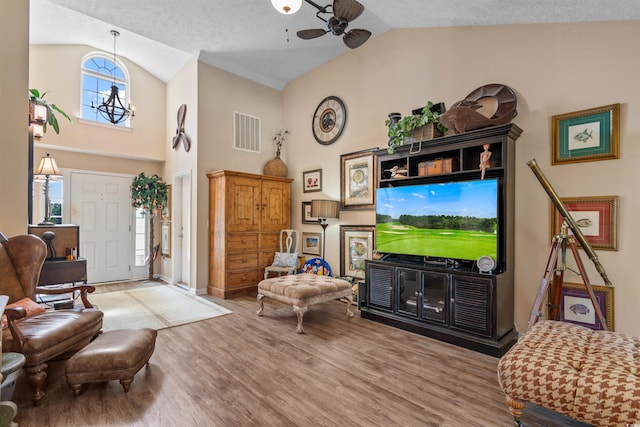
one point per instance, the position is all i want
(37, 98)
(402, 128)
(150, 194)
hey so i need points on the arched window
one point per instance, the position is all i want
(99, 73)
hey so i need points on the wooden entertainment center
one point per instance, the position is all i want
(450, 301)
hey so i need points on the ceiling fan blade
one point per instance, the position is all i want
(347, 9)
(311, 34)
(356, 38)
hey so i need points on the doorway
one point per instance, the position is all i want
(181, 211)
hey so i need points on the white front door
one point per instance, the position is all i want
(100, 205)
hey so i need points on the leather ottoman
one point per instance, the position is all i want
(114, 355)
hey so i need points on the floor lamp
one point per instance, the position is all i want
(47, 171)
(324, 209)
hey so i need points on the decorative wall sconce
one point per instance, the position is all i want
(37, 119)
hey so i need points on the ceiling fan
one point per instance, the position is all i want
(343, 12)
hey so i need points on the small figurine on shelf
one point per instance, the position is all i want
(484, 160)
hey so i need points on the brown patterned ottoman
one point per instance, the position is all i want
(303, 290)
(588, 375)
(114, 355)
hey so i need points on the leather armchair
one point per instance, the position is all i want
(45, 336)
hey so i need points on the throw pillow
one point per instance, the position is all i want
(285, 259)
(29, 306)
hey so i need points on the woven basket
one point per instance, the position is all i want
(423, 133)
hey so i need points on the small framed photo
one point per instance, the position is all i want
(312, 243)
(357, 180)
(576, 306)
(312, 180)
(306, 214)
(356, 246)
(586, 135)
(166, 239)
(596, 217)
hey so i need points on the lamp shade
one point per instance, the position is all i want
(287, 7)
(47, 166)
(325, 209)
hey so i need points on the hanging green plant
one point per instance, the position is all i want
(150, 194)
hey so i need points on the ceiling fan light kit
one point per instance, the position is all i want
(287, 7)
(343, 12)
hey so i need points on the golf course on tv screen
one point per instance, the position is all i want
(451, 220)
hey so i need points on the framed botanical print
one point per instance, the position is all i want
(596, 217)
(356, 246)
(357, 180)
(312, 181)
(166, 239)
(586, 135)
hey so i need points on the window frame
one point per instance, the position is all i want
(99, 76)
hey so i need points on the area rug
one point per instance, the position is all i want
(156, 307)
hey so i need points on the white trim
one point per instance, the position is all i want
(96, 153)
(106, 125)
(109, 56)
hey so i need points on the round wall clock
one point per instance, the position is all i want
(329, 120)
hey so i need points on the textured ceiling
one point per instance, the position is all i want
(249, 38)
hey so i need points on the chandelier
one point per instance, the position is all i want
(112, 108)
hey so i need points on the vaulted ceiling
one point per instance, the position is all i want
(251, 39)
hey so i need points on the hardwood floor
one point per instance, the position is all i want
(244, 370)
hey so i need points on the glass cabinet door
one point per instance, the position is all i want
(434, 296)
(408, 287)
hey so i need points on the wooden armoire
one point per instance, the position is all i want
(246, 214)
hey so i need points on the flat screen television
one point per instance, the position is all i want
(453, 220)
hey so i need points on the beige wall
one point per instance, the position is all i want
(56, 69)
(14, 51)
(219, 95)
(183, 89)
(554, 69)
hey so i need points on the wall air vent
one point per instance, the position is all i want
(246, 132)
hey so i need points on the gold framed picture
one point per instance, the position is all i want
(576, 306)
(596, 217)
(357, 180)
(586, 135)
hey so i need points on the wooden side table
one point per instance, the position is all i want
(58, 271)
